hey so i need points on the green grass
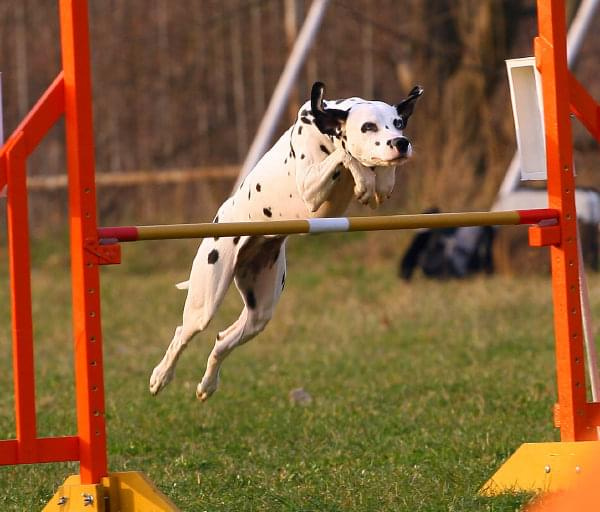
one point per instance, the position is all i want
(419, 390)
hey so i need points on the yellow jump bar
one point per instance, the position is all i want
(321, 225)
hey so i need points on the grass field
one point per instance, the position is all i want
(419, 391)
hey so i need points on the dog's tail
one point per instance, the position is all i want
(184, 285)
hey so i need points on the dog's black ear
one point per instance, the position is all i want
(329, 121)
(406, 106)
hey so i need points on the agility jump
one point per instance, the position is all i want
(70, 95)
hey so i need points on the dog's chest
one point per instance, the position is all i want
(269, 192)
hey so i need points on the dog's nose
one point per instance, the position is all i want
(401, 144)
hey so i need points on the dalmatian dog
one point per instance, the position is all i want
(335, 150)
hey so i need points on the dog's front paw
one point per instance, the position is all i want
(364, 187)
(364, 179)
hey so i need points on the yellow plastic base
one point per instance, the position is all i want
(544, 467)
(128, 491)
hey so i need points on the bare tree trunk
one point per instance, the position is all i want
(163, 119)
(367, 48)
(239, 96)
(201, 59)
(292, 16)
(258, 76)
(114, 116)
(21, 54)
(220, 77)
(312, 69)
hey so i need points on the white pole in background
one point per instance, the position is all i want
(276, 106)
(588, 330)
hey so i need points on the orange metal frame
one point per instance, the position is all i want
(70, 94)
(562, 93)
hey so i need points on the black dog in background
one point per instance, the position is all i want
(449, 252)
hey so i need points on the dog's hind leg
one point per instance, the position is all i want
(260, 278)
(210, 277)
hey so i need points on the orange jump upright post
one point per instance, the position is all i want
(554, 466)
(94, 489)
(82, 217)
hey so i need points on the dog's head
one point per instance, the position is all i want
(370, 131)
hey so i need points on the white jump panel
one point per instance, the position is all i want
(528, 112)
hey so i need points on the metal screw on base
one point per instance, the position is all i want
(88, 499)
(62, 500)
(547, 469)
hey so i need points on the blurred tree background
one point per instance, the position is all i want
(183, 85)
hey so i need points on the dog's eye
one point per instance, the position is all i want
(399, 123)
(368, 127)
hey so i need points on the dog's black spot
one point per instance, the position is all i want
(336, 174)
(213, 256)
(249, 216)
(249, 192)
(337, 102)
(268, 212)
(305, 119)
(344, 144)
(258, 187)
(299, 130)
(250, 299)
(302, 156)
(304, 112)
(344, 137)
(216, 238)
(324, 149)
(290, 196)
(285, 161)
(236, 240)
(387, 127)
(292, 152)
(377, 143)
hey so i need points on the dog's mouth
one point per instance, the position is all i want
(376, 162)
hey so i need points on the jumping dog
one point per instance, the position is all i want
(335, 150)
